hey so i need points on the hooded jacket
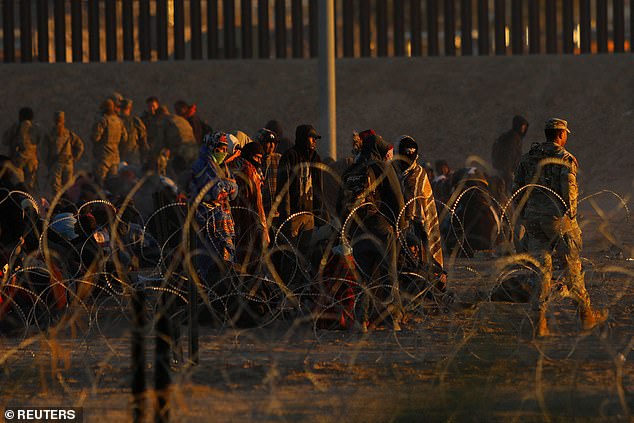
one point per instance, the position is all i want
(422, 208)
(507, 149)
(299, 182)
(380, 185)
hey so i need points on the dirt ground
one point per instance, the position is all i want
(479, 364)
(476, 364)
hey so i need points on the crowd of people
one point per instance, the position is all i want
(359, 242)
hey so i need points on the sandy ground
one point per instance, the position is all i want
(480, 364)
(476, 365)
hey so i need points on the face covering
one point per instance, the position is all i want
(219, 157)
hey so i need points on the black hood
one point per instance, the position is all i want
(302, 133)
(518, 121)
(374, 147)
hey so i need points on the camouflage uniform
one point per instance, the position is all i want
(550, 211)
(64, 149)
(107, 134)
(22, 139)
(174, 133)
(135, 148)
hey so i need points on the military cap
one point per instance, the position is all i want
(116, 98)
(58, 116)
(556, 123)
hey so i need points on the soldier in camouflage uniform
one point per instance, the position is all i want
(107, 134)
(550, 211)
(176, 134)
(63, 149)
(22, 139)
(135, 149)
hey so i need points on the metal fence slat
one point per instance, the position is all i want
(127, 22)
(264, 48)
(517, 28)
(77, 30)
(8, 31)
(585, 29)
(179, 29)
(246, 28)
(500, 27)
(432, 28)
(399, 27)
(567, 26)
(466, 26)
(94, 46)
(280, 29)
(313, 27)
(195, 22)
(26, 41)
(618, 19)
(450, 28)
(483, 27)
(41, 8)
(416, 41)
(229, 12)
(364, 28)
(145, 48)
(602, 26)
(212, 29)
(381, 27)
(297, 19)
(348, 28)
(111, 30)
(161, 29)
(534, 28)
(551, 27)
(59, 17)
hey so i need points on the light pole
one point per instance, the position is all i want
(326, 69)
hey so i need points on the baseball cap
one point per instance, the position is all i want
(306, 131)
(556, 123)
(265, 135)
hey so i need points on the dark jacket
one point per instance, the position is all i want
(305, 187)
(371, 179)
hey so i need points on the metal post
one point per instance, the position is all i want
(246, 24)
(534, 35)
(327, 89)
(196, 29)
(111, 31)
(127, 22)
(42, 30)
(26, 40)
(414, 16)
(144, 30)
(59, 17)
(138, 354)
(162, 378)
(179, 30)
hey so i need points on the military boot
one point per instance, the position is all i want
(591, 318)
(541, 327)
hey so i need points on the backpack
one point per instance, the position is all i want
(357, 181)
